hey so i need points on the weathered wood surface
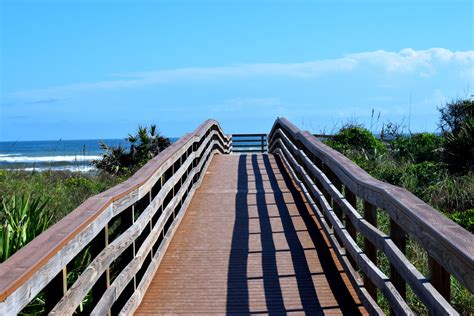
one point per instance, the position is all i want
(357, 257)
(248, 244)
(424, 290)
(450, 244)
(81, 287)
(139, 293)
(26, 273)
(119, 284)
(404, 209)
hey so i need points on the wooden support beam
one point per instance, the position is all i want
(325, 169)
(352, 199)
(440, 278)
(337, 209)
(370, 215)
(55, 290)
(399, 237)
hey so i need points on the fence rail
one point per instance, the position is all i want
(339, 192)
(124, 230)
(245, 143)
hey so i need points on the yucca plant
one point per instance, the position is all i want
(24, 218)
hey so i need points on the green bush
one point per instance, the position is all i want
(390, 172)
(356, 138)
(144, 145)
(464, 218)
(457, 124)
(454, 114)
(417, 147)
(458, 148)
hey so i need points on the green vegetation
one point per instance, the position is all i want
(62, 190)
(439, 169)
(25, 218)
(145, 144)
(30, 202)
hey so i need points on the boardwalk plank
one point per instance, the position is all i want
(249, 244)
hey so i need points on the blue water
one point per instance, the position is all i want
(74, 155)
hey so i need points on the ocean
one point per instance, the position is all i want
(72, 155)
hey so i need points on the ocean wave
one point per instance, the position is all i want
(9, 155)
(62, 168)
(30, 159)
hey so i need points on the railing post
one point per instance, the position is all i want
(55, 290)
(370, 215)
(98, 244)
(326, 194)
(172, 190)
(151, 222)
(398, 235)
(324, 168)
(134, 249)
(337, 209)
(440, 278)
(352, 199)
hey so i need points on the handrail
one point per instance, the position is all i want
(143, 211)
(333, 184)
(246, 143)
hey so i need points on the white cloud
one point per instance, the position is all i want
(420, 62)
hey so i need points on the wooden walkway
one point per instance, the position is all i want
(249, 244)
(201, 229)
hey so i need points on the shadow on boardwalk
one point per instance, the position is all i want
(271, 191)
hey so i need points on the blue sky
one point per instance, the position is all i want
(97, 69)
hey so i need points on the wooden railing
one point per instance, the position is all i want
(246, 143)
(346, 200)
(124, 230)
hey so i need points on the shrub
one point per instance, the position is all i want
(454, 114)
(145, 144)
(458, 148)
(417, 147)
(390, 172)
(464, 218)
(457, 124)
(356, 138)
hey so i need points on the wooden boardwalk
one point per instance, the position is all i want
(249, 244)
(201, 229)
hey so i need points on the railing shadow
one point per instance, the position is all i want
(307, 292)
(271, 282)
(341, 293)
(237, 286)
(238, 280)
